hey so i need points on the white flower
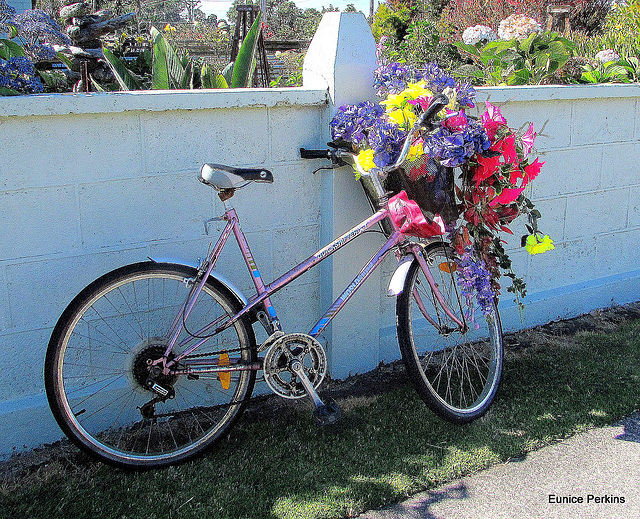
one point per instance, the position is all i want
(607, 55)
(478, 33)
(517, 26)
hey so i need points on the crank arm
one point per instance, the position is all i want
(297, 368)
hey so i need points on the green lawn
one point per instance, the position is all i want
(386, 448)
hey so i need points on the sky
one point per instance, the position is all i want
(220, 7)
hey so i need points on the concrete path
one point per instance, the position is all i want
(590, 476)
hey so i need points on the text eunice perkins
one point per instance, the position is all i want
(589, 498)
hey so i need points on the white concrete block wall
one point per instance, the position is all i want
(92, 182)
(588, 195)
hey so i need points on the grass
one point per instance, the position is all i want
(387, 447)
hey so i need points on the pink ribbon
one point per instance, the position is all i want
(409, 218)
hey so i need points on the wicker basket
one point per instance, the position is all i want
(431, 185)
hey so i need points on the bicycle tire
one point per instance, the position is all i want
(457, 374)
(95, 375)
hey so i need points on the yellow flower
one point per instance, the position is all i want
(365, 159)
(394, 101)
(415, 151)
(403, 117)
(169, 28)
(536, 245)
(416, 90)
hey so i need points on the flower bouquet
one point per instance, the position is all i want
(477, 203)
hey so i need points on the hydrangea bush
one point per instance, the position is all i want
(518, 27)
(494, 168)
(478, 34)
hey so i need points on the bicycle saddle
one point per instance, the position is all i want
(221, 177)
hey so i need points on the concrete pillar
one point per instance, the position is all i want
(342, 58)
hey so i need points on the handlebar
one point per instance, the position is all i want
(337, 156)
(315, 154)
(341, 156)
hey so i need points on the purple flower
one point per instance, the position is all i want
(453, 148)
(352, 122)
(392, 78)
(475, 280)
(18, 74)
(438, 80)
(386, 139)
(37, 31)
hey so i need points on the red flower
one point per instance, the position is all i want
(507, 196)
(531, 171)
(486, 168)
(507, 147)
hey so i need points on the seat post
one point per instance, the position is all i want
(225, 194)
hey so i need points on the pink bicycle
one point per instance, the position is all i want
(154, 362)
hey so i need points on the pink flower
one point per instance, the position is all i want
(422, 101)
(507, 196)
(492, 119)
(528, 139)
(455, 121)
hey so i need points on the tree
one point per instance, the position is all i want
(285, 19)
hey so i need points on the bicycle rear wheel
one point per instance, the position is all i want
(98, 358)
(456, 372)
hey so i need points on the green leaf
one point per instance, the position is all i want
(246, 60)
(66, 61)
(210, 79)
(4, 91)
(167, 69)
(160, 68)
(469, 49)
(228, 72)
(123, 75)
(590, 76)
(95, 85)
(616, 71)
(526, 44)
(10, 49)
(220, 82)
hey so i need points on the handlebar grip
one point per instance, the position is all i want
(315, 154)
(438, 103)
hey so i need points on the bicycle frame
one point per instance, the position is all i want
(264, 291)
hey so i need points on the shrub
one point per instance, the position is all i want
(620, 32)
(461, 14)
(586, 15)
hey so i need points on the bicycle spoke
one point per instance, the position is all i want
(101, 370)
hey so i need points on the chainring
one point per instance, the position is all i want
(278, 373)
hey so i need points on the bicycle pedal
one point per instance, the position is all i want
(327, 414)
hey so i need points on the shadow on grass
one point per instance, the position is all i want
(386, 448)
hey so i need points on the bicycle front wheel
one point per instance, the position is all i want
(98, 362)
(455, 370)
